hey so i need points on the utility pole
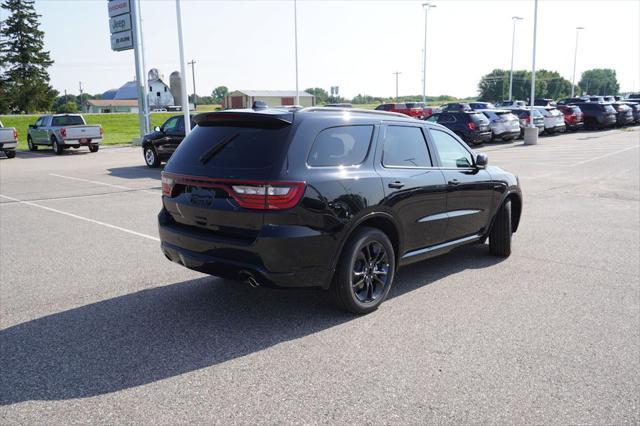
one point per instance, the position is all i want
(513, 46)
(193, 75)
(575, 58)
(295, 29)
(81, 102)
(183, 85)
(397, 73)
(426, 7)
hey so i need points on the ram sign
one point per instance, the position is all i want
(122, 41)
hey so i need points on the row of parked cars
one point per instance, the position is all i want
(479, 122)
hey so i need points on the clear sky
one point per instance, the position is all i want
(356, 45)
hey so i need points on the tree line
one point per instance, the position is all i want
(549, 84)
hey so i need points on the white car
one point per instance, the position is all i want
(511, 104)
(504, 124)
(553, 119)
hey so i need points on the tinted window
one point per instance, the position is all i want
(405, 147)
(341, 146)
(452, 153)
(609, 108)
(171, 124)
(242, 147)
(434, 118)
(67, 120)
(446, 118)
(479, 118)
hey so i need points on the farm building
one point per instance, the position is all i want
(94, 106)
(246, 98)
(159, 94)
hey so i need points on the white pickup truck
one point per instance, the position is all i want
(60, 131)
(8, 140)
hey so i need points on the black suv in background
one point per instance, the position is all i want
(328, 197)
(159, 145)
(472, 127)
(597, 115)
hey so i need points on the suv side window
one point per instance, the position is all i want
(452, 153)
(447, 118)
(405, 146)
(40, 121)
(171, 125)
(341, 146)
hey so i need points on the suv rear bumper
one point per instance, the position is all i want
(277, 257)
(479, 137)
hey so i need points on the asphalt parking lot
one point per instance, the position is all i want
(97, 326)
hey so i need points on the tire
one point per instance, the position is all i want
(10, 153)
(151, 157)
(500, 234)
(57, 148)
(94, 147)
(590, 124)
(31, 145)
(368, 254)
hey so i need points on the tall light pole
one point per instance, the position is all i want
(531, 132)
(397, 73)
(426, 7)
(183, 85)
(295, 29)
(575, 57)
(193, 76)
(513, 47)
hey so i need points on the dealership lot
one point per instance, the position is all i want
(97, 325)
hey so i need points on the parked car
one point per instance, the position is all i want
(311, 199)
(470, 126)
(62, 131)
(455, 106)
(544, 102)
(596, 99)
(570, 101)
(635, 107)
(339, 105)
(504, 125)
(159, 145)
(573, 118)
(618, 98)
(481, 105)
(553, 120)
(426, 110)
(624, 114)
(610, 99)
(597, 115)
(402, 108)
(634, 96)
(511, 104)
(524, 117)
(8, 140)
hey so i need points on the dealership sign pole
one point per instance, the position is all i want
(123, 23)
(183, 80)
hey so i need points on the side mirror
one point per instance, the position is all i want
(481, 160)
(157, 129)
(33, 126)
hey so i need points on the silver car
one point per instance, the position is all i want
(553, 119)
(504, 124)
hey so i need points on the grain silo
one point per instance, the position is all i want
(175, 86)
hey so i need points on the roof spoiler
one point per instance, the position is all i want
(260, 120)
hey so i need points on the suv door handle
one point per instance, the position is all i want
(396, 185)
(454, 182)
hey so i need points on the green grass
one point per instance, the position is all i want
(118, 128)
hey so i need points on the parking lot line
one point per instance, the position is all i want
(75, 216)
(603, 156)
(95, 182)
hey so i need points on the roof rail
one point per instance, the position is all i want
(359, 110)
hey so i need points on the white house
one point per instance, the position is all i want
(159, 92)
(246, 98)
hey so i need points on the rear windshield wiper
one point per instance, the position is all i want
(214, 150)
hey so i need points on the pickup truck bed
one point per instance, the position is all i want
(8, 141)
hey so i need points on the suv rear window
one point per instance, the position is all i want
(341, 146)
(609, 108)
(67, 120)
(479, 118)
(244, 148)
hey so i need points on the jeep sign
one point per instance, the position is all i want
(120, 23)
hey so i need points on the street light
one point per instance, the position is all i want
(575, 57)
(513, 44)
(426, 7)
(531, 131)
(295, 29)
(397, 73)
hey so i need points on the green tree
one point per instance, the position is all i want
(69, 107)
(549, 84)
(24, 59)
(219, 94)
(321, 95)
(599, 81)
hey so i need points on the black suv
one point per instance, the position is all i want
(159, 145)
(597, 115)
(328, 197)
(472, 127)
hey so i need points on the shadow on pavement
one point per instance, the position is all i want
(166, 331)
(135, 172)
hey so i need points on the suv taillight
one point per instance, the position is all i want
(63, 132)
(471, 125)
(248, 194)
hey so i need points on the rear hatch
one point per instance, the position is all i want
(220, 179)
(480, 121)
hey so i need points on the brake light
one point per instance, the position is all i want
(63, 132)
(256, 195)
(101, 131)
(168, 183)
(15, 134)
(471, 125)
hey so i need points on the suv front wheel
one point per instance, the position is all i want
(365, 272)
